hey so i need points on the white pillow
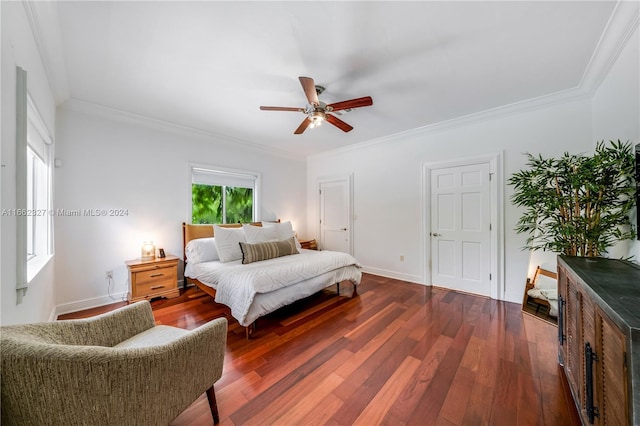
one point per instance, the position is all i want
(544, 282)
(228, 242)
(258, 234)
(284, 229)
(201, 250)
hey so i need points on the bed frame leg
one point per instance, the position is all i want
(250, 329)
(355, 291)
(337, 289)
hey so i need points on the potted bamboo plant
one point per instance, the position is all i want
(577, 205)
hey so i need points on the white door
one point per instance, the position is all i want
(335, 224)
(460, 228)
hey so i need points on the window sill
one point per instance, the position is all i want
(35, 265)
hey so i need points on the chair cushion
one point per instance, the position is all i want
(158, 335)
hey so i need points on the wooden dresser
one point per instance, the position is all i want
(157, 277)
(599, 337)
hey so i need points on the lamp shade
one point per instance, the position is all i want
(148, 250)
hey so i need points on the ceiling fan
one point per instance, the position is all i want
(317, 111)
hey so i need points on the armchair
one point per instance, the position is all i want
(118, 368)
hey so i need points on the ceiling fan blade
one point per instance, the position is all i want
(309, 88)
(339, 123)
(302, 127)
(274, 108)
(351, 103)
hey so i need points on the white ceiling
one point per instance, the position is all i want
(210, 65)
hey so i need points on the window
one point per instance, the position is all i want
(34, 153)
(38, 188)
(223, 196)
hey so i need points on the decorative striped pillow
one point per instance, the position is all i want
(267, 250)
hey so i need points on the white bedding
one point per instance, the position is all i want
(256, 289)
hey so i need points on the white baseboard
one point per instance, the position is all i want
(393, 274)
(510, 296)
(94, 302)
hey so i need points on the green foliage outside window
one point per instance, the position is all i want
(239, 204)
(209, 205)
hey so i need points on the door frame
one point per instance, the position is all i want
(497, 221)
(336, 178)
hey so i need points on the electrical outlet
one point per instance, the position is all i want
(108, 275)
(402, 258)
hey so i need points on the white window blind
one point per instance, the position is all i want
(222, 178)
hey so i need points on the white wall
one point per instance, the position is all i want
(388, 188)
(616, 114)
(111, 162)
(19, 49)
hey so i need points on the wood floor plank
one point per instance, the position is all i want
(395, 354)
(322, 411)
(411, 395)
(504, 405)
(356, 361)
(294, 413)
(372, 375)
(321, 382)
(457, 398)
(376, 410)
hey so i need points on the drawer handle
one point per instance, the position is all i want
(157, 287)
(155, 275)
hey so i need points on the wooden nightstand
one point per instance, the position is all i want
(309, 244)
(153, 278)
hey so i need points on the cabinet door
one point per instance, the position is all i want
(574, 363)
(588, 329)
(611, 373)
(562, 314)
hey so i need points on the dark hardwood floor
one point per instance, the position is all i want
(398, 353)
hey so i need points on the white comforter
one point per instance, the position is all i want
(237, 285)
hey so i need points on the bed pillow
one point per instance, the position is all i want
(258, 234)
(284, 230)
(201, 250)
(267, 250)
(227, 242)
(544, 282)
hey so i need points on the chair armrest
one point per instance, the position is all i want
(110, 328)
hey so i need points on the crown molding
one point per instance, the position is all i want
(556, 98)
(115, 114)
(45, 28)
(622, 23)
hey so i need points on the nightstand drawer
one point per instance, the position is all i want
(156, 275)
(150, 289)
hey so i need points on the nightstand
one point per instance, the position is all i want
(309, 244)
(157, 277)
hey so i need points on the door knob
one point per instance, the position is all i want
(435, 234)
(343, 229)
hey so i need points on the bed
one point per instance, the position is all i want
(542, 291)
(250, 286)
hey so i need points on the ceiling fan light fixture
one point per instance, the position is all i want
(316, 117)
